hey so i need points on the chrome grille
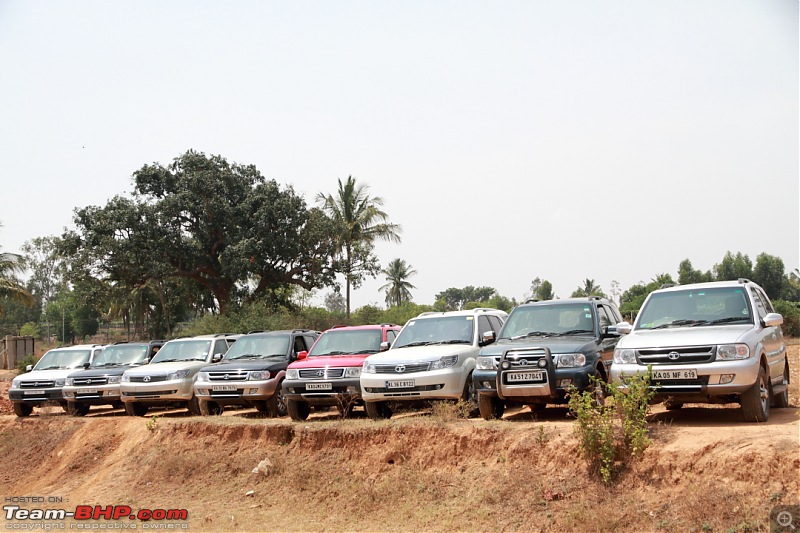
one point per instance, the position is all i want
(402, 368)
(676, 355)
(36, 384)
(153, 379)
(321, 373)
(233, 375)
(90, 381)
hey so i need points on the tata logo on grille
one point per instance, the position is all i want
(400, 369)
(226, 376)
(146, 379)
(320, 373)
(673, 356)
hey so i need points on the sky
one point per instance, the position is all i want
(511, 140)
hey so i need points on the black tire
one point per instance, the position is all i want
(755, 401)
(491, 408)
(261, 406)
(672, 406)
(194, 406)
(22, 409)
(276, 404)
(208, 408)
(77, 409)
(781, 400)
(378, 410)
(118, 405)
(298, 411)
(470, 396)
(135, 409)
(538, 408)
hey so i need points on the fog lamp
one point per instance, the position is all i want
(726, 378)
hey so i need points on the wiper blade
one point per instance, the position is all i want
(51, 368)
(576, 332)
(453, 341)
(334, 353)
(418, 343)
(730, 319)
(360, 352)
(166, 360)
(680, 322)
(533, 334)
(245, 356)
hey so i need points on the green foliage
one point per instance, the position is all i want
(770, 273)
(588, 289)
(687, 274)
(616, 433)
(30, 329)
(454, 299)
(152, 424)
(24, 362)
(791, 317)
(398, 288)
(733, 267)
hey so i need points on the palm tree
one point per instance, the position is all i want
(398, 289)
(588, 289)
(11, 264)
(359, 222)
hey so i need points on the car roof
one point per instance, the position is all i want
(465, 312)
(741, 282)
(365, 326)
(582, 299)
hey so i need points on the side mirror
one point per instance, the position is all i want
(302, 355)
(773, 319)
(86, 365)
(607, 332)
(488, 337)
(385, 346)
(216, 358)
(28, 368)
(623, 328)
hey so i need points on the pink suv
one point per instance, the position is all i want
(328, 375)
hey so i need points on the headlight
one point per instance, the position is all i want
(352, 372)
(368, 368)
(113, 379)
(623, 356)
(58, 382)
(486, 363)
(69, 382)
(202, 376)
(180, 374)
(570, 360)
(727, 352)
(125, 378)
(292, 373)
(258, 375)
(444, 362)
(15, 383)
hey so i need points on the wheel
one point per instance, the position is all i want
(260, 405)
(64, 406)
(276, 405)
(118, 405)
(378, 410)
(781, 400)
(755, 401)
(135, 409)
(77, 409)
(22, 409)
(538, 408)
(194, 406)
(672, 406)
(491, 407)
(207, 408)
(297, 410)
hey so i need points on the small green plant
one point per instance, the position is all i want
(541, 436)
(24, 362)
(616, 431)
(450, 411)
(152, 424)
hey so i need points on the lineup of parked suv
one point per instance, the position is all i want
(716, 342)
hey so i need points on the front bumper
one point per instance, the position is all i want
(236, 392)
(341, 390)
(93, 395)
(552, 387)
(36, 396)
(740, 375)
(176, 390)
(444, 384)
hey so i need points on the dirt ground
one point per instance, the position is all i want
(706, 470)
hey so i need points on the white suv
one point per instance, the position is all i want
(432, 359)
(717, 342)
(170, 375)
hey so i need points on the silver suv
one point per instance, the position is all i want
(717, 342)
(432, 359)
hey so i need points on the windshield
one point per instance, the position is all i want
(549, 320)
(121, 354)
(188, 350)
(696, 307)
(347, 342)
(273, 346)
(60, 359)
(437, 330)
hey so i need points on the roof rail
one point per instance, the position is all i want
(428, 313)
(667, 285)
(257, 331)
(744, 280)
(531, 300)
(387, 324)
(595, 297)
(339, 326)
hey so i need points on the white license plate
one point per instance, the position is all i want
(526, 376)
(34, 393)
(405, 384)
(319, 386)
(675, 374)
(223, 388)
(87, 391)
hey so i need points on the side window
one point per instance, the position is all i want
(391, 335)
(602, 316)
(483, 326)
(496, 324)
(309, 342)
(616, 316)
(299, 344)
(767, 303)
(220, 346)
(760, 307)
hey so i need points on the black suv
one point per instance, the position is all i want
(544, 349)
(252, 371)
(98, 383)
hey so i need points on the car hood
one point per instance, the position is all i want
(693, 336)
(556, 345)
(46, 375)
(273, 365)
(330, 360)
(421, 353)
(159, 369)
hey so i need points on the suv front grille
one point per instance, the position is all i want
(36, 384)
(90, 381)
(402, 368)
(233, 375)
(677, 355)
(322, 373)
(151, 379)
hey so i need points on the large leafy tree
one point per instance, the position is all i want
(770, 273)
(358, 222)
(588, 289)
(455, 299)
(219, 226)
(10, 286)
(687, 274)
(541, 290)
(733, 267)
(398, 288)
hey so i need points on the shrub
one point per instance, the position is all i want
(24, 362)
(30, 329)
(791, 317)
